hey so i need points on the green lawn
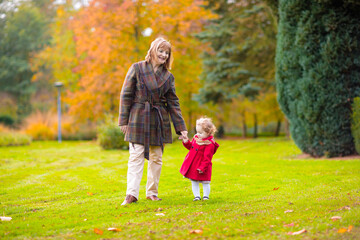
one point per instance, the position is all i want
(64, 191)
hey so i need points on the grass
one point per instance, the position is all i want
(64, 191)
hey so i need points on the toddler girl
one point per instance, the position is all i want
(197, 164)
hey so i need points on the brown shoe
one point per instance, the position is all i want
(129, 199)
(153, 198)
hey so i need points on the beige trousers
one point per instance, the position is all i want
(136, 166)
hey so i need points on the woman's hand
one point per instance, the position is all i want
(184, 136)
(124, 128)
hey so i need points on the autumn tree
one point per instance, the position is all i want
(111, 35)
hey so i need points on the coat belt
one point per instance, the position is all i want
(159, 125)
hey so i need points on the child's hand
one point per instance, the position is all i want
(201, 172)
(184, 138)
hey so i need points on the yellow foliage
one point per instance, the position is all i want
(41, 126)
(40, 131)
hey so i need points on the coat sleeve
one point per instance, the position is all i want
(127, 96)
(187, 144)
(174, 108)
(208, 154)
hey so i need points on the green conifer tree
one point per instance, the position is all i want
(318, 72)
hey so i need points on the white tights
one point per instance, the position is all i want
(196, 188)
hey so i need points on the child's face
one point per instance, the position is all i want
(200, 132)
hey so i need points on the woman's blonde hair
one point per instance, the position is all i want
(155, 45)
(207, 125)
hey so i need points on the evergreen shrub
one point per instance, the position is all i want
(318, 72)
(110, 135)
(355, 127)
(7, 120)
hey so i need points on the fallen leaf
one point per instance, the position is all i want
(298, 232)
(197, 231)
(160, 214)
(350, 228)
(272, 226)
(275, 189)
(289, 225)
(335, 218)
(289, 211)
(90, 193)
(98, 231)
(114, 229)
(5, 218)
(342, 230)
(158, 210)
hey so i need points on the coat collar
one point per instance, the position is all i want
(158, 78)
(208, 138)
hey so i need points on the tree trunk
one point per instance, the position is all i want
(255, 126)
(244, 127)
(278, 126)
(287, 128)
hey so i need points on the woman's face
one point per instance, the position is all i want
(200, 132)
(162, 54)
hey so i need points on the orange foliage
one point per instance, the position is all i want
(109, 38)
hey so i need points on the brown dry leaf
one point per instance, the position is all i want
(158, 210)
(335, 218)
(289, 225)
(197, 231)
(98, 231)
(90, 193)
(114, 229)
(276, 189)
(350, 228)
(298, 232)
(289, 211)
(342, 230)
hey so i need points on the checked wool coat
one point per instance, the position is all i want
(146, 100)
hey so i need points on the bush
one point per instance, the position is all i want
(317, 72)
(40, 131)
(7, 120)
(355, 127)
(110, 136)
(13, 139)
(41, 125)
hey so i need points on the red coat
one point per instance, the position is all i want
(199, 157)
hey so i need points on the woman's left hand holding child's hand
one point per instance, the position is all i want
(184, 136)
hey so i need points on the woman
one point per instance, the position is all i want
(146, 100)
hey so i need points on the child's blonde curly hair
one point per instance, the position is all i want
(207, 125)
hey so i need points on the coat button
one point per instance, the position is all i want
(192, 146)
(196, 149)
